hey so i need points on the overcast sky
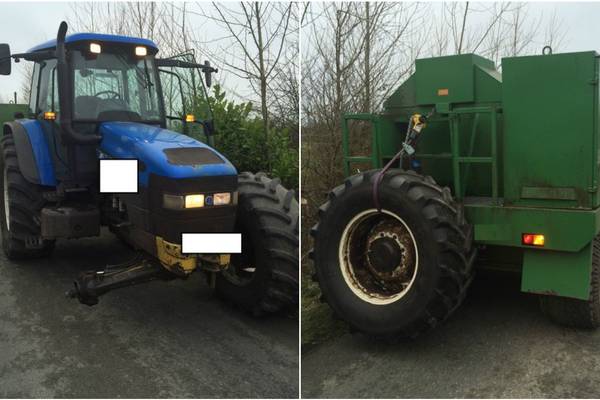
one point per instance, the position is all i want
(25, 24)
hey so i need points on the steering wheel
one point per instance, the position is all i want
(115, 95)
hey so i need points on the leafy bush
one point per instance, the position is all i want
(239, 136)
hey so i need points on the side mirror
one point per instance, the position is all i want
(5, 61)
(207, 73)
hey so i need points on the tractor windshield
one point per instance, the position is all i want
(115, 85)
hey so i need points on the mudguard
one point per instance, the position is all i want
(162, 152)
(33, 154)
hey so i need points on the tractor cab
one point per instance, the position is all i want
(109, 78)
(116, 78)
(84, 80)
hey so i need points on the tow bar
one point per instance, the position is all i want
(90, 285)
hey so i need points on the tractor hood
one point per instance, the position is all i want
(162, 152)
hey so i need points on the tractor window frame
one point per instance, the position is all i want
(45, 87)
(34, 89)
(180, 94)
(191, 82)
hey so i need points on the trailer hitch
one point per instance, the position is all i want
(90, 285)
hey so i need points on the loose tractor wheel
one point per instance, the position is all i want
(398, 270)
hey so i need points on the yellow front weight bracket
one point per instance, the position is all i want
(170, 256)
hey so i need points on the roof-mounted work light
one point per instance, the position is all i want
(95, 48)
(141, 51)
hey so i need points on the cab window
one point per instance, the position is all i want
(114, 85)
(33, 95)
(47, 93)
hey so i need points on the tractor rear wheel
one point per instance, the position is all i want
(397, 272)
(20, 212)
(264, 277)
(573, 312)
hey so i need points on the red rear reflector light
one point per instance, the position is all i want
(533, 239)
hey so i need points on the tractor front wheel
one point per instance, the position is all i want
(396, 271)
(574, 312)
(21, 207)
(264, 277)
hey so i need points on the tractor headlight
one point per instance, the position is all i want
(173, 202)
(194, 201)
(221, 199)
(177, 202)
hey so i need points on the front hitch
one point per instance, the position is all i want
(90, 285)
(165, 261)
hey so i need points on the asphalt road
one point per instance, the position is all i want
(162, 339)
(497, 345)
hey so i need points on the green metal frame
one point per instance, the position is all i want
(7, 111)
(452, 117)
(374, 158)
(562, 267)
(518, 122)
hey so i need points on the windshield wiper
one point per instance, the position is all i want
(145, 81)
(147, 73)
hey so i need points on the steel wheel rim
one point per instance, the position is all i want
(356, 269)
(6, 202)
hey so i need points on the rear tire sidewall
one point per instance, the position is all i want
(376, 318)
(3, 228)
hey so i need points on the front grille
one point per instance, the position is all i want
(192, 156)
(169, 224)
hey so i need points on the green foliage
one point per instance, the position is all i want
(240, 137)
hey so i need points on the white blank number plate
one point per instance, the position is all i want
(118, 176)
(217, 243)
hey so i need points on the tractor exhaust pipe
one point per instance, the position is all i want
(90, 285)
(64, 88)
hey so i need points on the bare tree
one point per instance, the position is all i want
(356, 56)
(460, 28)
(555, 32)
(392, 36)
(334, 47)
(26, 78)
(163, 23)
(493, 30)
(258, 34)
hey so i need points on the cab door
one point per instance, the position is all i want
(186, 101)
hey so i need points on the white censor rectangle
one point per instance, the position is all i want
(216, 243)
(118, 176)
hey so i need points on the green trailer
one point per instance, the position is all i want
(469, 166)
(10, 110)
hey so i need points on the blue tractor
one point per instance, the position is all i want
(97, 97)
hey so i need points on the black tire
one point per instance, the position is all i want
(267, 217)
(573, 312)
(23, 238)
(443, 253)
